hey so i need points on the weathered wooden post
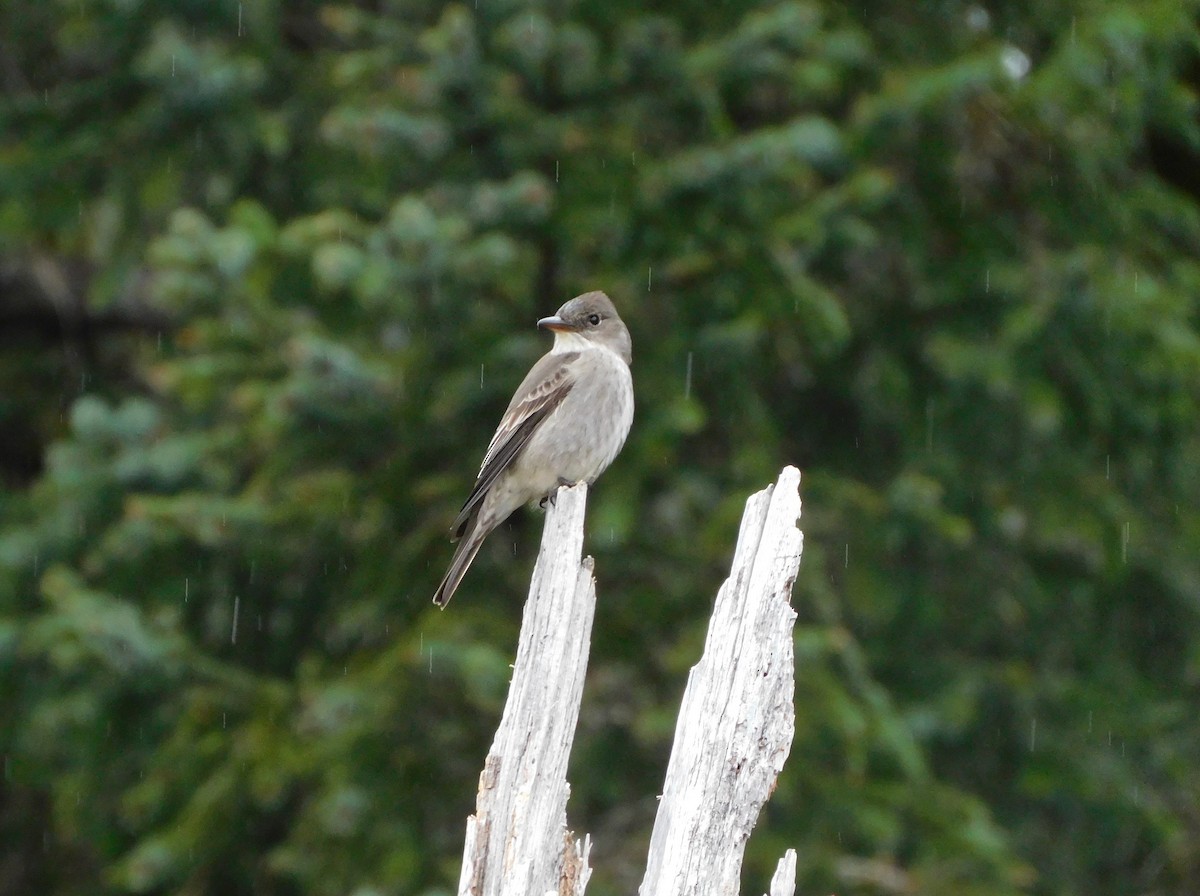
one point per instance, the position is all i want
(736, 722)
(517, 841)
(734, 732)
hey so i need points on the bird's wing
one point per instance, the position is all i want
(542, 390)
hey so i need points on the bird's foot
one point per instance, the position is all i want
(552, 495)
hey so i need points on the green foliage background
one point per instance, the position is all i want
(268, 274)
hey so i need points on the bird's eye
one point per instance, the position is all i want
(593, 319)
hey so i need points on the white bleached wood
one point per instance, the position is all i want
(737, 720)
(783, 881)
(517, 841)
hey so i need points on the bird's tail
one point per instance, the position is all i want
(463, 555)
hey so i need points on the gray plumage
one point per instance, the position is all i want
(566, 422)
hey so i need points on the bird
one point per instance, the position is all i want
(566, 423)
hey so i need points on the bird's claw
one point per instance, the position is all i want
(552, 495)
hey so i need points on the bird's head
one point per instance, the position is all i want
(590, 319)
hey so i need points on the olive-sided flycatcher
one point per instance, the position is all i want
(565, 424)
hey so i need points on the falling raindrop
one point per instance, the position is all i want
(846, 559)
(649, 276)
(233, 630)
(687, 380)
(480, 377)
(239, 20)
(556, 170)
(172, 65)
(186, 584)
(1032, 734)
(987, 280)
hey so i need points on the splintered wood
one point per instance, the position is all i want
(734, 731)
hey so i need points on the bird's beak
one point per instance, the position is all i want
(555, 323)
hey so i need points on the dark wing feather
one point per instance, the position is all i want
(542, 390)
